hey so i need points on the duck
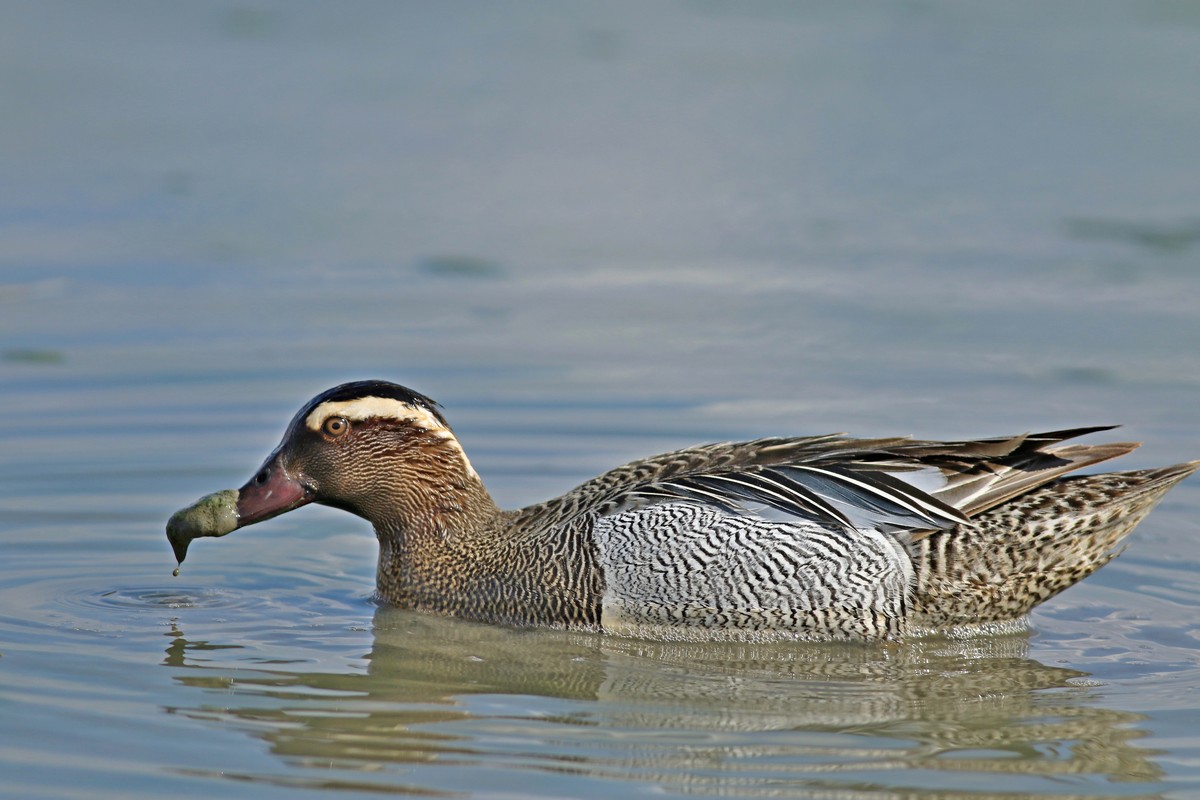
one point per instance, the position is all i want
(819, 537)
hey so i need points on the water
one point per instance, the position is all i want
(593, 233)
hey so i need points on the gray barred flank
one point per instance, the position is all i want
(764, 575)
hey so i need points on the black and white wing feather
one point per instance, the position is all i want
(831, 495)
(895, 484)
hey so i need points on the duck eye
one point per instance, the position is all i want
(335, 426)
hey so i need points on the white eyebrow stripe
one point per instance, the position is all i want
(365, 408)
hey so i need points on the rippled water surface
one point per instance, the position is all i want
(593, 232)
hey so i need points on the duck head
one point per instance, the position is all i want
(375, 449)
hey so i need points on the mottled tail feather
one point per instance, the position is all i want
(1000, 482)
(1023, 552)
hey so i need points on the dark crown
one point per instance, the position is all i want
(359, 389)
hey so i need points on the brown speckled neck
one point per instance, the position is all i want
(445, 546)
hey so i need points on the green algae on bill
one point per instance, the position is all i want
(212, 515)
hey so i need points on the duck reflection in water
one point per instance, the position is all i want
(440, 699)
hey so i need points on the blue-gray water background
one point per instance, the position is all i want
(593, 232)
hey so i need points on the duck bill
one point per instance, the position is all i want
(271, 492)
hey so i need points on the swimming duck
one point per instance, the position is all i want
(825, 537)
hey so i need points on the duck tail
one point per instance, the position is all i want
(1025, 551)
